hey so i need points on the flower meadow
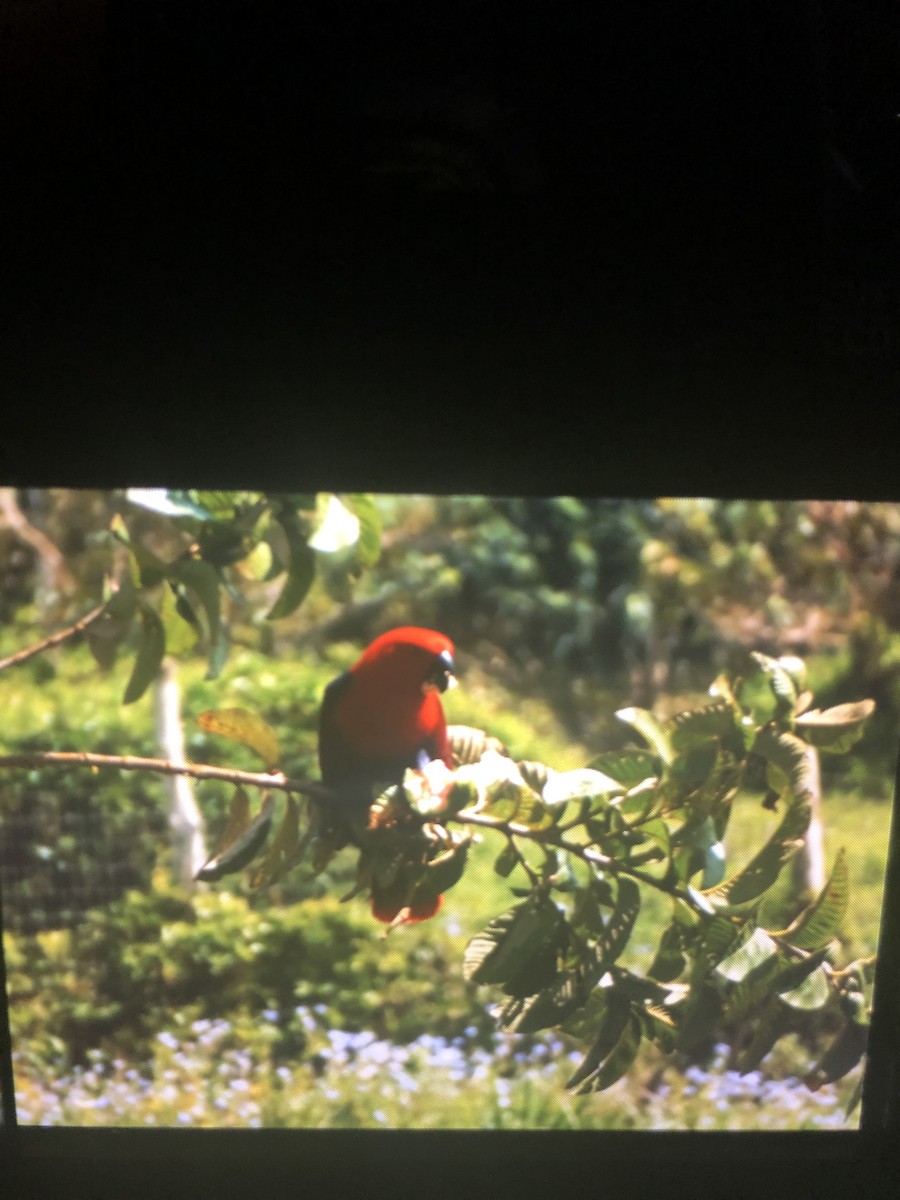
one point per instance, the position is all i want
(200, 1075)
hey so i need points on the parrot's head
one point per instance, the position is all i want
(417, 660)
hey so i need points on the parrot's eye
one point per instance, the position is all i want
(440, 674)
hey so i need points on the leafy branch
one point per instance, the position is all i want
(582, 850)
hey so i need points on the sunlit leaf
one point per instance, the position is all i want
(650, 728)
(245, 727)
(338, 530)
(836, 729)
(759, 948)
(811, 993)
(627, 767)
(148, 659)
(242, 841)
(368, 542)
(582, 784)
(169, 503)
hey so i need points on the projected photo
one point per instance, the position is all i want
(443, 812)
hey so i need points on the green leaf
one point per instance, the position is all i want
(518, 949)
(836, 729)
(650, 728)
(582, 784)
(817, 926)
(300, 575)
(695, 726)
(278, 859)
(368, 546)
(507, 861)
(620, 1059)
(669, 961)
(106, 634)
(619, 927)
(758, 949)
(203, 580)
(762, 870)
(149, 656)
(242, 840)
(245, 727)
(841, 1056)
(614, 1018)
(811, 993)
(627, 767)
(780, 681)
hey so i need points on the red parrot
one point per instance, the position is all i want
(381, 717)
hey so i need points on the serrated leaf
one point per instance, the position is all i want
(300, 573)
(581, 784)
(244, 727)
(817, 926)
(835, 729)
(368, 545)
(690, 728)
(279, 857)
(203, 580)
(758, 949)
(514, 948)
(614, 1015)
(150, 653)
(650, 729)
(242, 840)
(469, 745)
(621, 1058)
(762, 870)
(619, 927)
(780, 681)
(627, 767)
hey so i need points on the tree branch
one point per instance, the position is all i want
(54, 639)
(60, 758)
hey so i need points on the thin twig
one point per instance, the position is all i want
(60, 758)
(53, 640)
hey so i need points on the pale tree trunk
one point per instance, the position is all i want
(808, 864)
(185, 818)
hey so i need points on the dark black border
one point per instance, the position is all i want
(170, 319)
